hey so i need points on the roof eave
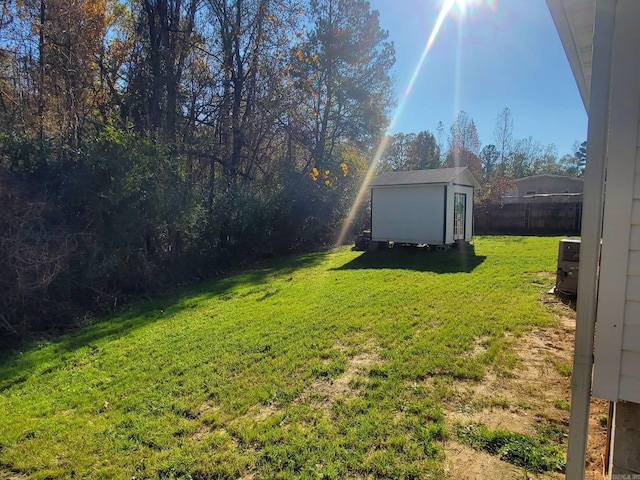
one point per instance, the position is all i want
(577, 47)
(413, 184)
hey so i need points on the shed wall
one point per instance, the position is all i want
(408, 214)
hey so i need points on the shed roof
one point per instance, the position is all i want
(434, 176)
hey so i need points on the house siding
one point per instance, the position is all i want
(617, 352)
(630, 359)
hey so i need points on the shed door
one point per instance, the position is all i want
(459, 215)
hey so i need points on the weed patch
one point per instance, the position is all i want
(532, 454)
(564, 368)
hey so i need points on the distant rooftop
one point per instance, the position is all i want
(548, 175)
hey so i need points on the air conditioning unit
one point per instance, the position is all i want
(568, 261)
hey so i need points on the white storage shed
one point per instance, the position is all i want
(433, 207)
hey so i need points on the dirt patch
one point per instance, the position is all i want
(210, 416)
(262, 412)
(546, 275)
(201, 432)
(465, 463)
(322, 392)
(479, 346)
(597, 442)
(534, 397)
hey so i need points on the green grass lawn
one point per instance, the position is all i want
(222, 381)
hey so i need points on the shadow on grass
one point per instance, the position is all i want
(456, 260)
(18, 361)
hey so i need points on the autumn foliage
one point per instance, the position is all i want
(150, 143)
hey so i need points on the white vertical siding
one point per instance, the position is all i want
(632, 313)
(630, 359)
(617, 353)
(635, 238)
(629, 387)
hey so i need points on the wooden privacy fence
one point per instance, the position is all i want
(528, 219)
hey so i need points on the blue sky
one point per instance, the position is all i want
(509, 55)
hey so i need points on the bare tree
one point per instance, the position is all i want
(463, 135)
(503, 134)
(440, 136)
(464, 145)
(166, 33)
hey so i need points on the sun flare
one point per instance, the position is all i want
(462, 6)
